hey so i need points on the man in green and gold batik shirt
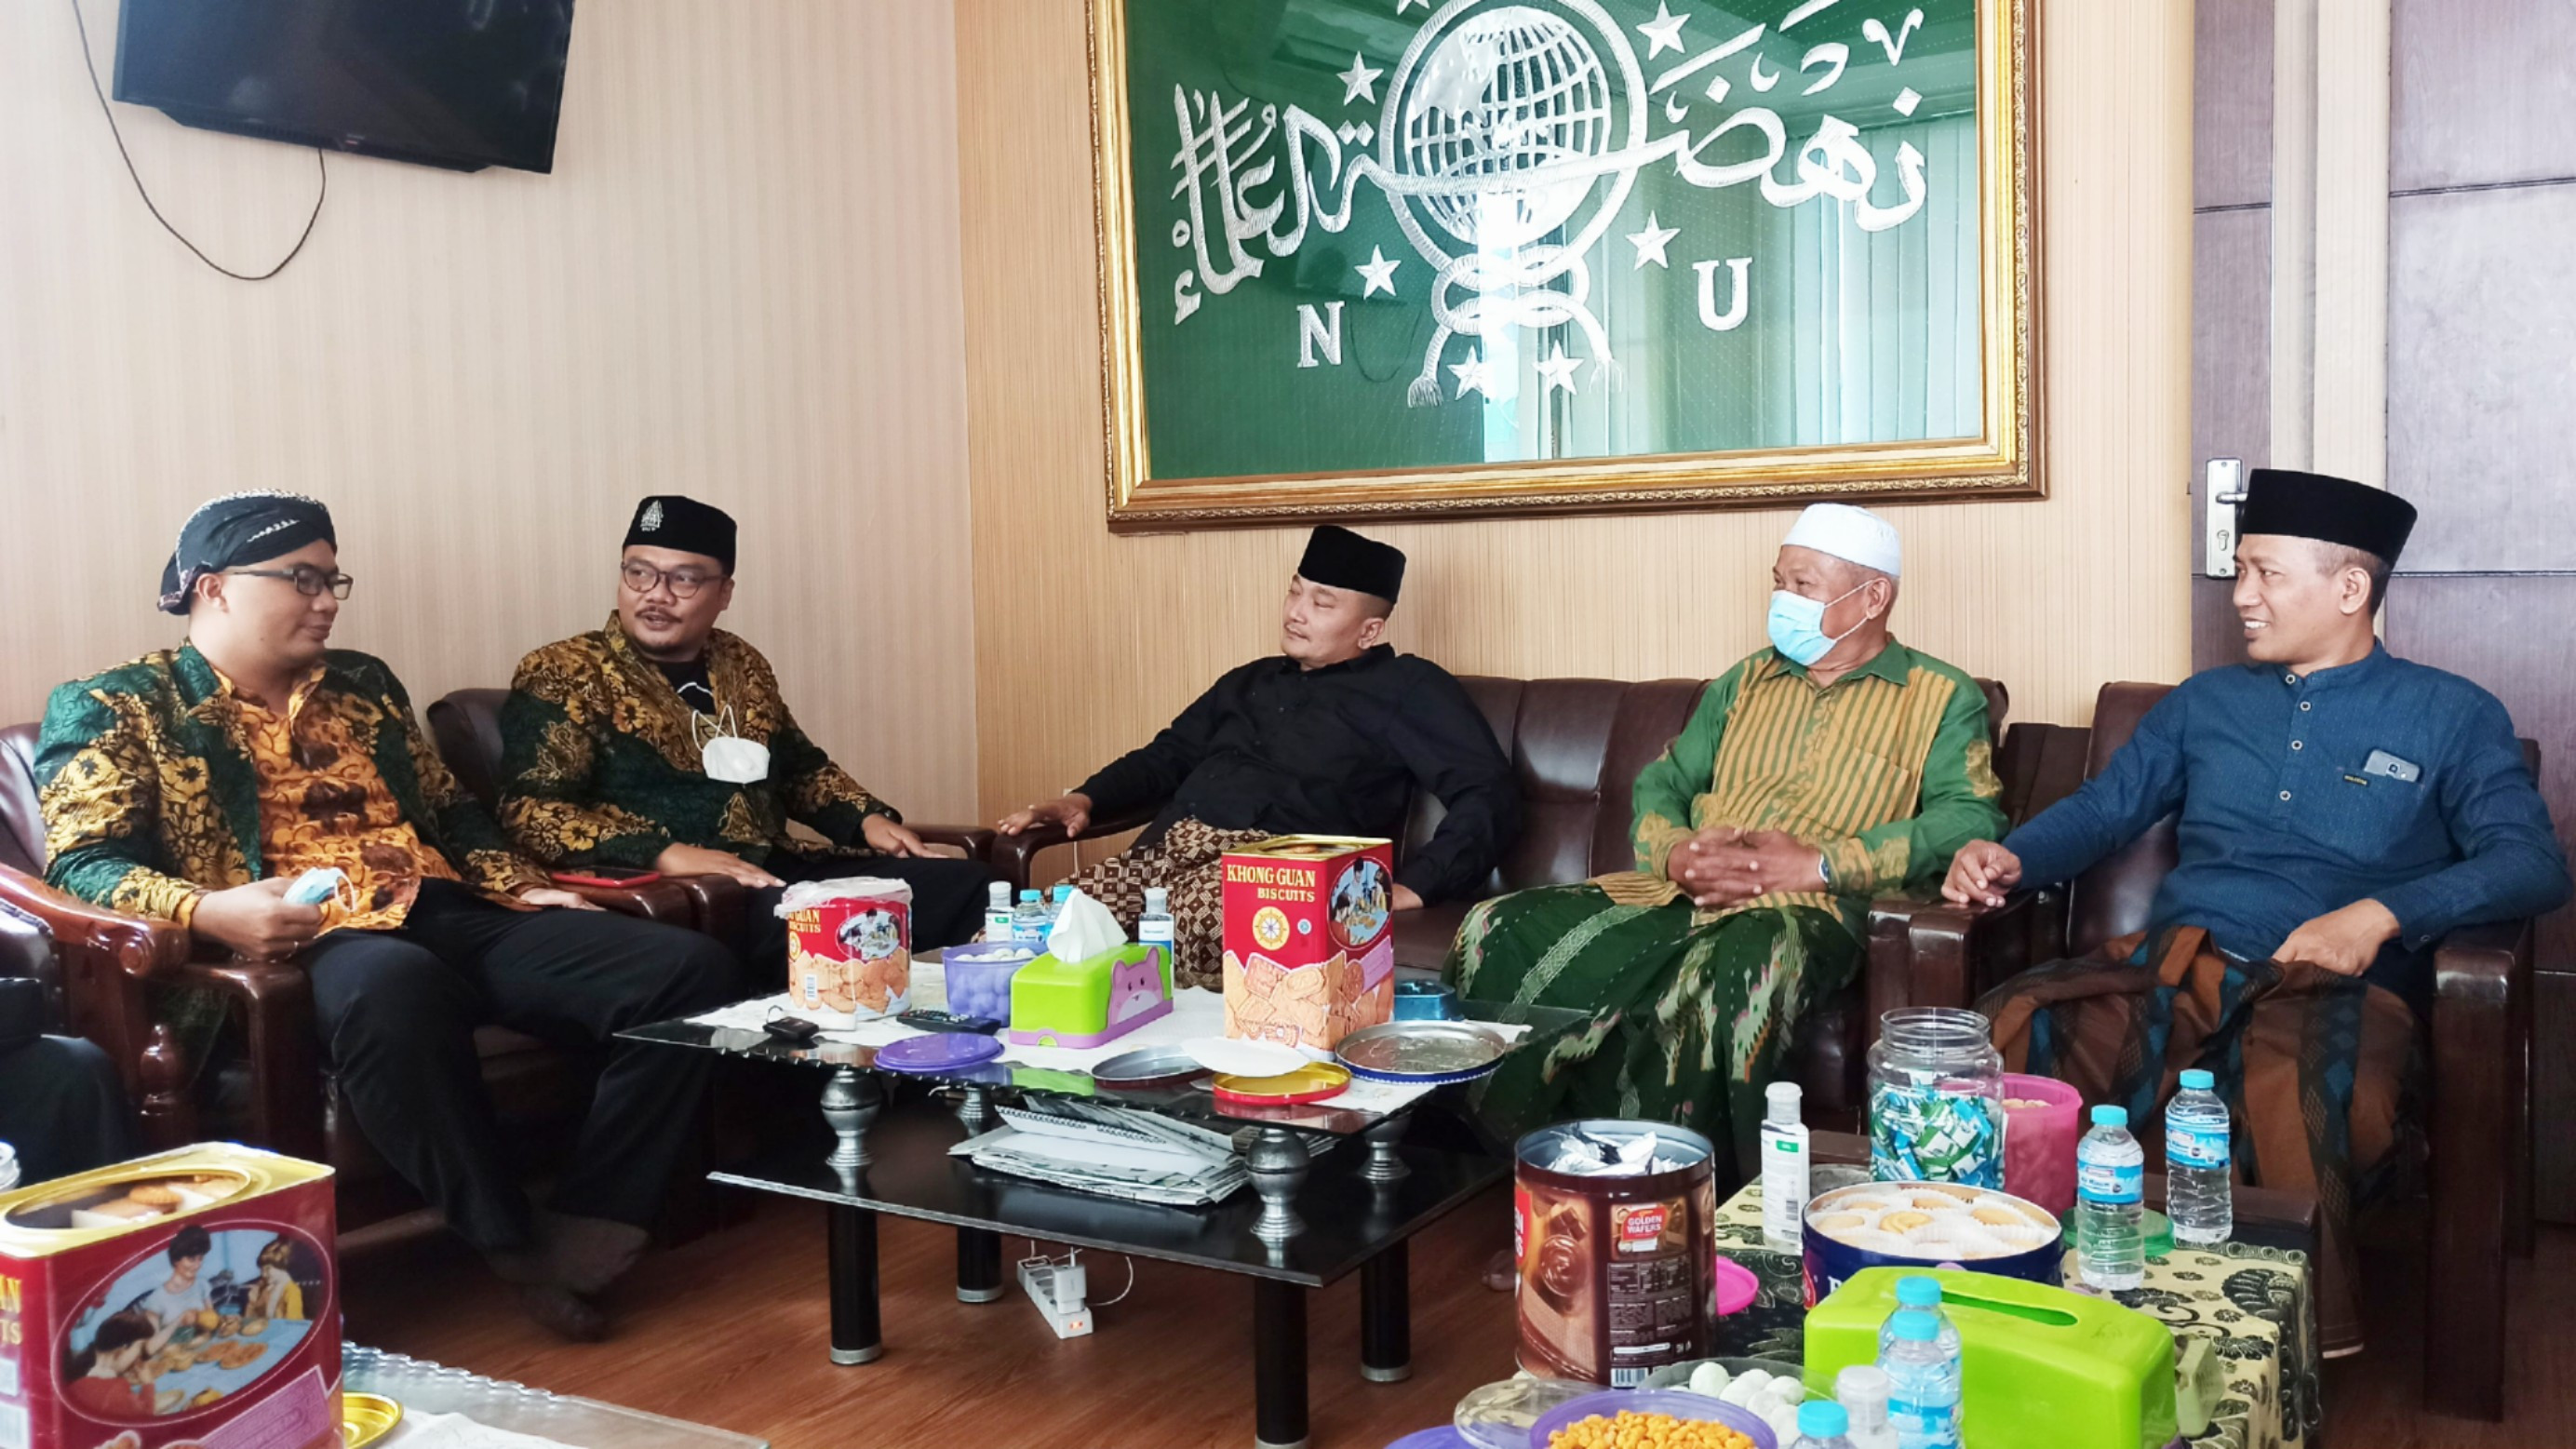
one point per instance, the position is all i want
(1833, 767)
(660, 742)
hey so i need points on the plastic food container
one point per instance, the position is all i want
(979, 977)
(1653, 1401)
(1936, 1098)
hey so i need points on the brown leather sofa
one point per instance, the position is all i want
(466, 725)
(277, 1093)
(1576, 747)
(2479, 1118)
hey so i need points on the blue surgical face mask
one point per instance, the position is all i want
(1798, 625)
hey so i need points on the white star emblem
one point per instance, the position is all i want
(1474, 375)
(1664, 32)
(1403, 5)
(1378, 272)
(1651, 242)
(1557, 371)
(1359, 83)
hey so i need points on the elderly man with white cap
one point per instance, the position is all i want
(1834, 766)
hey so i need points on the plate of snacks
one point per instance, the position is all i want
(1668, 1418)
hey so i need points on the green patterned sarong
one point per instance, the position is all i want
(1691, 1018)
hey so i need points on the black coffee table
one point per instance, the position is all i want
(1305, 1225)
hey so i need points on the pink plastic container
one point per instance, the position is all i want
(2039, 1140)
(1736, 1286)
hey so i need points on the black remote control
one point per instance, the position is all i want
(944, 1021)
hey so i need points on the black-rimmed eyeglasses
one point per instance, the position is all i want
(308, 581)
(643, 578)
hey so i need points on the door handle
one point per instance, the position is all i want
(2225, 485)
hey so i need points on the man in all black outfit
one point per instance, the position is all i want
(1330, 737)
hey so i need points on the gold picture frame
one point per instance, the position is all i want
(2001, 462)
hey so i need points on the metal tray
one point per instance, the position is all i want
(1422, 1051)
(1149, 1067)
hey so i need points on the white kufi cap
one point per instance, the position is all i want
(1854, 535)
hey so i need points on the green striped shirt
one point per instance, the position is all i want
(1888, 771)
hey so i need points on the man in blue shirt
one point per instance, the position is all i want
(2341, 810)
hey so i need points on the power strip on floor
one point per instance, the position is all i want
(1057, 1288)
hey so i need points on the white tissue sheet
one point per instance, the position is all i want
(1083, 929)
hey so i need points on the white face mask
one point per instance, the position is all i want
(726, 756)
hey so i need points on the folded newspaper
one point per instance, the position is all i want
(1112, 1151)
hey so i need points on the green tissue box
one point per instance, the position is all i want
(2044, 1368)
(1086, 1003)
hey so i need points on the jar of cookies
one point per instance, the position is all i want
(1936, 1098)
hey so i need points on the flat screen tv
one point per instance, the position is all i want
(458, 83)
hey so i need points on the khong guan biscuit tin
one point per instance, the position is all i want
(1309, 938)
(187, 1300)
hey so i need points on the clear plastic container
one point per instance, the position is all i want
(2110, 1203)
(1029, 919)
(2199, 1197)
(1915, 1291)
(1936, 1098)
(1862, 1391)
(1154, 927)
(1822, 1425)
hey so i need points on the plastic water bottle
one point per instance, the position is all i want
(1154, 927)
(1000, 925)
(1029, 920)
(1862, 1391)
(1055, 904)
(2197, 1192)
(1914, 1291)
(1822, 1425)
(1784, 1169)
(1923, 1382)
(2110, 1202)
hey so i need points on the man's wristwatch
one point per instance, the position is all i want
(1825, 869)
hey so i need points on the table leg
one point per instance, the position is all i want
(1386, 1317)
(1383, 1166)
(856, 1337)
(979, 1265)
(1278, 1164)
(1278, 1365)
(850, 1102)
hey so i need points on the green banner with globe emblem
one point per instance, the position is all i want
(1391, 238)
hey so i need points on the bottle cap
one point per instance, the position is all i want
(1822, 1420)
(1916, 1291)
(1862, 1391)
(1914, 1325)
(1156, 897)
(1031, 894)
(999, 892)
(1784, 1098)
(2197, 1080)
(2107, 1115)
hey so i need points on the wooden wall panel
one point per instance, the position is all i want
(1085, 643)
(740, 282)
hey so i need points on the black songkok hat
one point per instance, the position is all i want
(235, 531)
(668, 520)
(1340, 559)
(2333, 510)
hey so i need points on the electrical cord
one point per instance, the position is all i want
(321, 160)
(1037, 1259)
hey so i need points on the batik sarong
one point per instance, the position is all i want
(1188, 864)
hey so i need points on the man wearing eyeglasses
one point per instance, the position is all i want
(660, 742)
(197, 784)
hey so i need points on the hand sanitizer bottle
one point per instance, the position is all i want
(1784, 1170)
(1000, 927)
(1154, 927)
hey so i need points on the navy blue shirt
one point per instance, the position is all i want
(2301, 794)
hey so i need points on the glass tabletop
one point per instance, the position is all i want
(1188, 1102)
(424, 1388)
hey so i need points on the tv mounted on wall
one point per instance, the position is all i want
(463, 84)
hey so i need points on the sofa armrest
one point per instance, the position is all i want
(2479, 1130)
(1933, 953)
(136, 945)
(975, 842)
(665, 900)
(1012, 855)
(1422, 938)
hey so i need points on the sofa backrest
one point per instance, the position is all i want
(22, 824)
(465, 725)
